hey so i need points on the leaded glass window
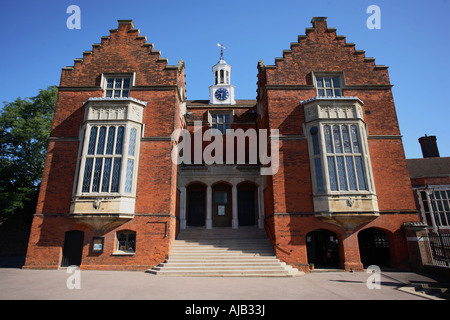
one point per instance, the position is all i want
(328, 86)
(118, 87)
(103, 161)
(126, 241)
(129, 175)
(317, 159)
(221, 197)
(220, 123)
(345, 163)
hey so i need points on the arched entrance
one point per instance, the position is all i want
(247, 203)
(374, 247)
(196, 204)
(73, 248)
(323, 248)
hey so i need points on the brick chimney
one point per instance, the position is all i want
(319, 23)
(429, 146)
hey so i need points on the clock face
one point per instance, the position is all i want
(221, 94)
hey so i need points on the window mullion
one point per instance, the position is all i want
(344, 155)
(323, 159)
(100, 179)
(333, 149)
(332, 86)
(87, 133)
(124, 162)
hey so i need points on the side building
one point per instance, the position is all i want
(109, 194)
(342, 192)
(430, 178)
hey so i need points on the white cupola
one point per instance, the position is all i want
(222, 92)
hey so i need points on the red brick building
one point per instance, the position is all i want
(335, 191)
(430, 179)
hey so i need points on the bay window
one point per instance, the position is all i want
(108, 157)
(339, 155)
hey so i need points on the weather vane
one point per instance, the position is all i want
(221, 50)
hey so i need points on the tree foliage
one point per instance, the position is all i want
(24, 129)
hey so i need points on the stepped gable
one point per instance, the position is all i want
(335, 55)
(124, 50)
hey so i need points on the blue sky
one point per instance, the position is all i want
(414, 41)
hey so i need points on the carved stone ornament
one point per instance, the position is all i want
(350, 201)
(97, 203)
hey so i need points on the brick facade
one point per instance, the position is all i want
(286, 203)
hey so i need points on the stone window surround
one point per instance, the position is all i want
(321, 111)
(125, 112)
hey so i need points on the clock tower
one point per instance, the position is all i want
(222, 92)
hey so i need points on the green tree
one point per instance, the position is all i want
(24, 129)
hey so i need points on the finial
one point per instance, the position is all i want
(221, 50)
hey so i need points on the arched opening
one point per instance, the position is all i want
(73, 248)
(247, 203)
(196, 204)
(222, 205)
(323, 248)
(374, 247)
(222, 77)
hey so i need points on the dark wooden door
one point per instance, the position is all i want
(222, 206)
(246, 208)
(322, 248)
(73, 248)
(196, 208)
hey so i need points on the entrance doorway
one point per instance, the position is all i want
(222, 205)
(374, 247)
(323, 248)
(73, 248)
(246, 204)
(196, 205)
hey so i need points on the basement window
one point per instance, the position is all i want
(126, 242)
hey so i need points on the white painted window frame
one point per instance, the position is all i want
(330, 75)
(106, 76)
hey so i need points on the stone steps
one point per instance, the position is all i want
(223, 252)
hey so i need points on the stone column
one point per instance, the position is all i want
(208, 207)
(234, 196)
